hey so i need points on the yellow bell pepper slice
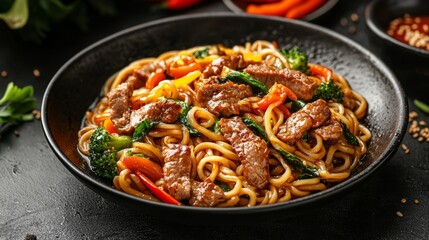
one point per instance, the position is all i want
(188, 78)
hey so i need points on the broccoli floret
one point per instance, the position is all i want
(103, 148)
(297, 59)
(329, 91)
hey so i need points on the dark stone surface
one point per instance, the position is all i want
(39, 197)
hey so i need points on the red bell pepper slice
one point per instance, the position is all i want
(159, 193)
(141, 164)
(278, 92)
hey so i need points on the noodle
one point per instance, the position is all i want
(212, 157)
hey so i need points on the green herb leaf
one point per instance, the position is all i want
(298, 165)
(422, 106)
(256, 128)
(183, 117)
(242, 77)
(201, 53)
(350, 138)
(142, 129)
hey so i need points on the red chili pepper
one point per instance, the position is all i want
(179, 4)
(159, 193)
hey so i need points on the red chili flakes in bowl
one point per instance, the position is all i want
(413, 31)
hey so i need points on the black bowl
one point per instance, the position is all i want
(77, 84)
(239, 6)
(379, 14)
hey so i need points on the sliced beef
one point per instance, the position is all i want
(298, 82)
(313, 115)
(205, 194)
(142, 74)
(295, 126)
(331, 131)
(177, 170)
(232, 62)
(252, 151)
(224, 99)
(318, 111)
(120, 106)
(165, 111)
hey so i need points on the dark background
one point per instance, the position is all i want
(39, 197)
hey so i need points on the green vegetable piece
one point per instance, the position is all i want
(422, 106)
(256, 128)
(16, 106)
(329, 91)
(297, 59)
(225, 187)
(350, 138)
(216, 127)
(17, 16)
(298, 165)
(103, 149)
(142, 129)
(297, 105)
(183, 117)
(242, 77)
(201, 53)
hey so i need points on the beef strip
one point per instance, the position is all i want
(165, 111)
(318, 111)
(232, 62)
(331, 131)
(177, 170)
(252, 151)
(298, 82)
(225, 99)
(295, 126)
(120, 106)
(205, 194)
(312, 115)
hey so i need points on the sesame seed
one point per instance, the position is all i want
(420, 139)
(422, 123)
(399, 214)
(36, 72)
(36, 114)
(416, 201)
(354, 17)
(404, 146)
(403, 200)
(4, 73)
(343, 22)
(406, 151)
(352, 29)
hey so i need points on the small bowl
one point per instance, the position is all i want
(379, 14)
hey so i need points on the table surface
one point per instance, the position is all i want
(39, 197)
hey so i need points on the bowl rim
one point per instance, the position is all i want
(371, 22)
(294, 203)
(309, 17)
